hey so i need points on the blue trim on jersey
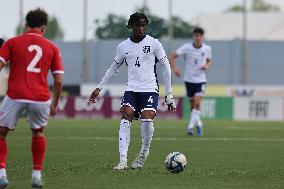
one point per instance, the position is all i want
(155, 71)
(131, 38)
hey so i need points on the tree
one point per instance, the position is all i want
(114, 26)
(53, 32)
(236, 8)
(262, 6)
(257, 6)
(182, 29)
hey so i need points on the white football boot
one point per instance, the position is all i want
(122, 165)
(139, 161)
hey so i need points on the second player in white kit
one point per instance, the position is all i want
(198, 59)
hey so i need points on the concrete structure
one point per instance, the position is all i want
(265, 62)
(228, 26)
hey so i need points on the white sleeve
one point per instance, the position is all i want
(119, 55)
(182, 50)
(167, 75)
(114, 68)
(209, 56)
(159, 50)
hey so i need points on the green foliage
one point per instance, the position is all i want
(114, 26)
(257, 6)
(235, 8)
(54, 31)
(182, 29)
(20, 29)
(262, 6)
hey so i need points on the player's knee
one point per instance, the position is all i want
(3, 132)
(37, 132)
(149, 115)
(197, 102)
(127, 113)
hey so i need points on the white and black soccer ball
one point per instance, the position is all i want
(175, 162)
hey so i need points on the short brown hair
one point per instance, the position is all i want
(198, 30)
(36, 18)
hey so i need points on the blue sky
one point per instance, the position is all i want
(70, 14)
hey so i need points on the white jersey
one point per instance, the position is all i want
(140, 59)
(195, 58)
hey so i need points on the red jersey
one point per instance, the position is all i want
(31, 56)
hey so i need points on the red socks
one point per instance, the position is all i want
(3, 153)
(38, 151)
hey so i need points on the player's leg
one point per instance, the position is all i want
(3, 156)
(149, 103)
(38, 148)
(127, 112)
(190, 90)
(196, 114)
(190, 127)
(200, 91)
(38, 117)
(10, 111)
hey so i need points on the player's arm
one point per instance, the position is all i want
(1, 61)
(207, 64)
(172, 60)
(1, 65)
(208, 60)
(163, 60)
(57, 73)
(173, 56)
(168, 85)
(57, 90)
(113, 70)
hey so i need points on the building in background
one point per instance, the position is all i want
(228, 26)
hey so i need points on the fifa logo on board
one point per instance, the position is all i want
(146, 49)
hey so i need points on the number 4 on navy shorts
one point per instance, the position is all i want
(140, 101)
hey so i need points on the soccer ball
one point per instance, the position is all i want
(175, 162)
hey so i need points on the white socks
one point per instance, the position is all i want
(36, 173)
(124, 138)
(3, 173)
(147, 131)
(194, 119)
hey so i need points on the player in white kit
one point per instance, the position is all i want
(198, 59)
(141, 95)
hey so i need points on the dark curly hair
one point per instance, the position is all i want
(135, 18)
(36, 18)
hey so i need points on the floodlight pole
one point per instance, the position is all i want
(244, 78)
(144, 5)
(170, 26)
(84, 42)
(21, 23)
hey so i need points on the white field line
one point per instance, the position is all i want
(166, 139)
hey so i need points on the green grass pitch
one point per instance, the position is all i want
(81, 154)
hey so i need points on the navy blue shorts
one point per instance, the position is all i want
(195, 89)
(140, 101)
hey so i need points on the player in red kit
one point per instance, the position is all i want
(30, 56)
